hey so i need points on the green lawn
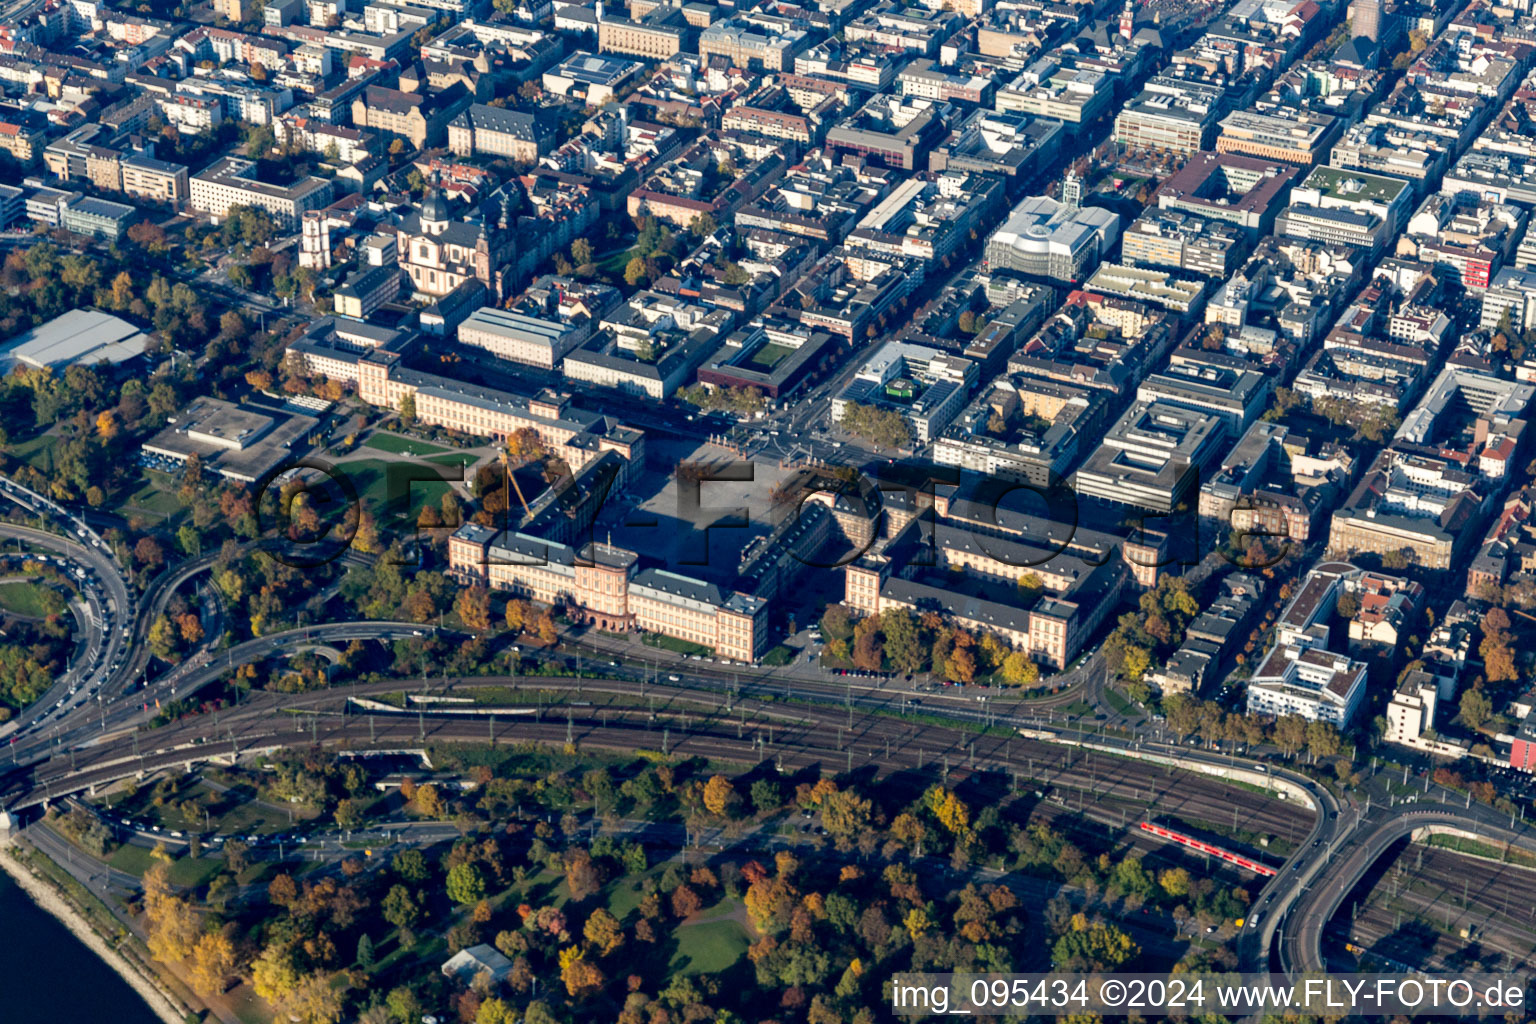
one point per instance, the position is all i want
(672, 643)
(38, 451)
(32, 600)
(614, 263)
(370, 478)
(1119, 703)
(397, 445)
(779, 656)
(194, 871)
(709, 947)
(135, 860)
(623, 898)
(156, 499)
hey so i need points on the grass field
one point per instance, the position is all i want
(672, 643)
(1119, 703)
(194, 871)
(156, 499)
(709, 947)
(32, 600)
(779, 656)
(1472, 847)
(614, 263)
(135, 860)
(397, 445)
(38, 452)
(370, 478)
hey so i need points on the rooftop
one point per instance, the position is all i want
(1354, 186)
(79, 337)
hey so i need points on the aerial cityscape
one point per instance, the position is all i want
(764, 511)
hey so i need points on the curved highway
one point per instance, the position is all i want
(110, 604)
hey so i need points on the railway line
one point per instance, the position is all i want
(1420, 900)
(622, 715)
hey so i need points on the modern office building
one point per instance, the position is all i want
(1051, 240)
(1152, 457)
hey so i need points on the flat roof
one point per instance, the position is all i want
(81, 336)
(1349, 184)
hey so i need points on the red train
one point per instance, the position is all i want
(1202, 847)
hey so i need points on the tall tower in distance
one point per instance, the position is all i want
(1127, 22)
(1365, 17)
(1071, 189)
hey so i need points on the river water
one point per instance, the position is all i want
(46, 974)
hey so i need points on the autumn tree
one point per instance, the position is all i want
(1290, 733)
(582, 876)
(1496, 650)
(1092, 945)
(844, 813)
(314, 1000)
(213, 959)
(474, 608)
(171, 922)
(148, 553)
(603, 931)
(685, 902)
(581, 977)
(720, 797)
(1020, 670)
(274, 975)
(429, 801)
(634, 271)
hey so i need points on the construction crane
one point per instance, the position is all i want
(506, 467)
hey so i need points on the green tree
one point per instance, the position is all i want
(466, 885)
(400, 908)
(408, 408)
(766, 796)
(1092, 946)
(365, 956)
(349, 814)
(402, 1001)
(1476, 708)
(903, 643)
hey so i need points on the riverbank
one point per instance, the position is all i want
(47, 898)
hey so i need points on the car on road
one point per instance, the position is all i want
(673, 679)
